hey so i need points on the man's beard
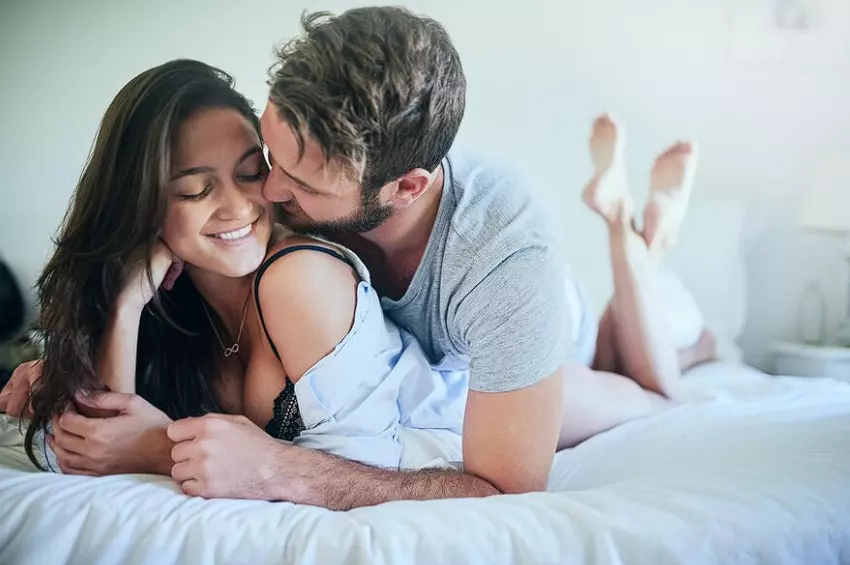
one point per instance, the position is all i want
(370, 215)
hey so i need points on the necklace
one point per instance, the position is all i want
(228, 351)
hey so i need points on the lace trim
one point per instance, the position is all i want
(286, 424)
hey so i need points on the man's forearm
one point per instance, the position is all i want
(339, 484)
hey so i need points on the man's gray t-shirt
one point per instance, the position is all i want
(489, 292)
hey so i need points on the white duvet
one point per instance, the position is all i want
(752, 470)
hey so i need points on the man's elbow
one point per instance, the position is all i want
(513, 485)
(518, 478)
(522, 487)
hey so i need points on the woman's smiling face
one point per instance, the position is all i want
(217, 219)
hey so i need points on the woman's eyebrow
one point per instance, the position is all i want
(252, 151)
(193, 171)
(201, 170)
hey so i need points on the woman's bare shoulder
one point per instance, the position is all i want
(317, 294)
(283, 237)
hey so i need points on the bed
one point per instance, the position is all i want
(750, 469)
(753, 469)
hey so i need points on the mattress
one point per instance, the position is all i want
(750, 469)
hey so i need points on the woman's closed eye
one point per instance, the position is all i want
(253, 177)
(253, 169)
(198, 195)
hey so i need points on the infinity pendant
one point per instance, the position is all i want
(228, 351)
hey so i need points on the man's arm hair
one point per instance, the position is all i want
(509, 441)
(340, 484)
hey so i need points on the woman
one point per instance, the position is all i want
(174, 183)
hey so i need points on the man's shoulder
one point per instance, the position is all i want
(499, 212)
(484, 183)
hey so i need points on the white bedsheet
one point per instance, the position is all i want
(752, 470)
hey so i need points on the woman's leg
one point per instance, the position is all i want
(701, 350)
(596, 401)
(645, 348)
(633, 333)
(642, 347)
(606, 357)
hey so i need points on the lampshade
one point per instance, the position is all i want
(826, 203)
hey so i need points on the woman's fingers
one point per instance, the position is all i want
(18, 400)
(16, 395)
(165, 266)
(174, 271)
(5, 395)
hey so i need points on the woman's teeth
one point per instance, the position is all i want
(238, 234)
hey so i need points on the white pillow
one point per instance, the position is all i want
(710, 260)
(684, 316)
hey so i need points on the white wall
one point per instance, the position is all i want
(538, 71)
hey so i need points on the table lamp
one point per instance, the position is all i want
(826, 208)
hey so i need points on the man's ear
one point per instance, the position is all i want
(409, 187)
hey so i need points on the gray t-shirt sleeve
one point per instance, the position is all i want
(516, 322)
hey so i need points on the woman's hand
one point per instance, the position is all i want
(15, 397)
(165, 267)
(134, 441)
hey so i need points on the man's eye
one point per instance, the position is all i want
(305, 189)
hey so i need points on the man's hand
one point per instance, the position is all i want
(133, 441)
(223, 456)
(509, 442)
(220, 456)
(15, 396)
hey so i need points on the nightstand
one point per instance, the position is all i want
(797, 359)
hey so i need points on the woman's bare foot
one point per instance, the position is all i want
(670, 192)
(607, 193)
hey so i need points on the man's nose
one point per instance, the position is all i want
(275, 188)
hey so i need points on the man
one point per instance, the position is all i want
(362, 113)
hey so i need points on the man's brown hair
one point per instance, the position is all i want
(381, 90)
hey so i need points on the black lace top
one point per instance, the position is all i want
(286, 423)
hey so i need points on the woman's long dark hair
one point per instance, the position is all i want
(114, 221)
